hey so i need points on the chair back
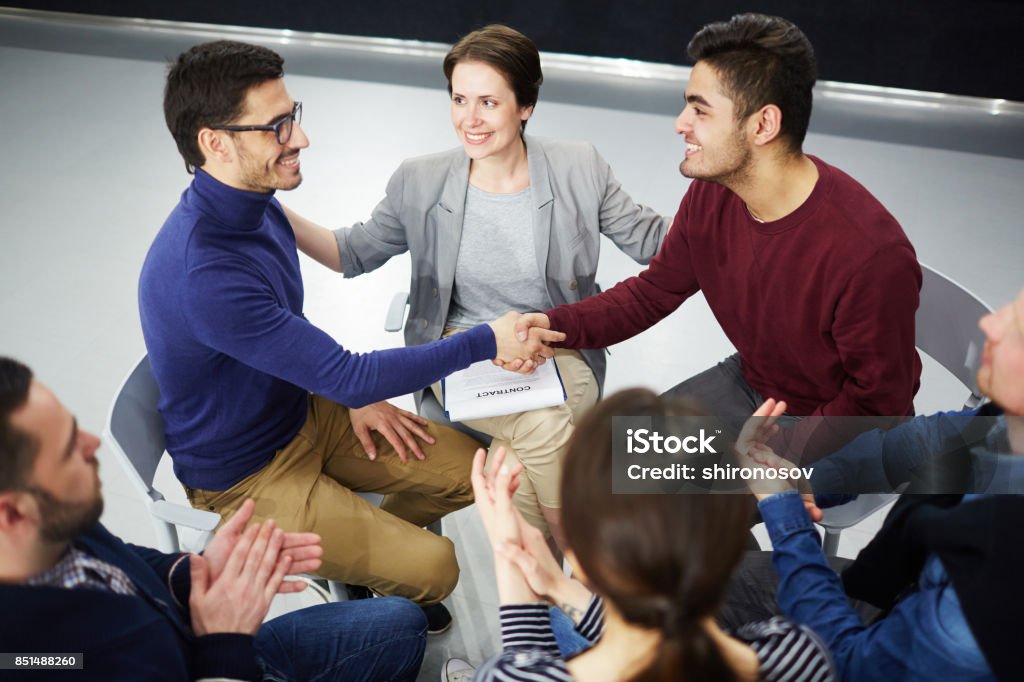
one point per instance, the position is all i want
(135, 434)
(947, 328)
(135, 429)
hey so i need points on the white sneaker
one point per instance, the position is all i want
(457, 670)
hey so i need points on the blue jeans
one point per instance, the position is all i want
(570, 642)
(369, 640)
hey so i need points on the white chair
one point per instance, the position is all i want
(946, 330)
(134, 432)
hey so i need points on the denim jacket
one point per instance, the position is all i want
(925, 636)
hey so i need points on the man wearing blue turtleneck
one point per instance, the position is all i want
(257, 402)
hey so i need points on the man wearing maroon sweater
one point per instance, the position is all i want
(812, 280)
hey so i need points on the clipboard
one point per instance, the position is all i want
(483, 390)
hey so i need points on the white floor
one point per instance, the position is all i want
(91, 173)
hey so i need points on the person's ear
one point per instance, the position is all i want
(16, 510)
(766, 124)
(214, 145)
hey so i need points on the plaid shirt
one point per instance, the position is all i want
(79, 570)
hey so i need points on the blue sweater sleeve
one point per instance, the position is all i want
(924, 637)
(220, 655)
(879, 461)
(236, 313)
(173, 569)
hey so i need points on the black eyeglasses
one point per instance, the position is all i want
(282, 127)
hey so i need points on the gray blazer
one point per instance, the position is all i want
(577, 200)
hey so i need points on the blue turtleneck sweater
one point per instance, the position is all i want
(220, 297)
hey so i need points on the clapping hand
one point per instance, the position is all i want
(526, 569)
(493, 490)
(754, 451)
(760, 426)
(237, 600)
(303, 549)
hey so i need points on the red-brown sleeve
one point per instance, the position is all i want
(637, 303)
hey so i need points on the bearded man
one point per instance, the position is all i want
(812, 279)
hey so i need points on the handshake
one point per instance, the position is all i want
(523, 341)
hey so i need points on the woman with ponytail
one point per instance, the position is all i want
(650, 573)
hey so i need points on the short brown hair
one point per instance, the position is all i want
(207, 86)
(17, 448)
(762, 60)
(509, 52)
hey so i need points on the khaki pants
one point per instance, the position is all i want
(309, 485)
(539, 438)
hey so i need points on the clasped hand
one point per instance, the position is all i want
(523, 341)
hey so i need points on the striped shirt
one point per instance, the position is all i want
(787, 652)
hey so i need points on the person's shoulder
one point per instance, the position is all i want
(178, 229)
(430, 164)
(564, 151)
(181, 220)
(768, 630)
(169, 253)
(844, 184)
(787, 650)
(98, 538)
(705, 203)
(422, 179)
(98, 531)
(861, 209)
(524, 664)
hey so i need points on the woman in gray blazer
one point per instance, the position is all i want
(504, 222)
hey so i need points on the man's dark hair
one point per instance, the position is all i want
(207, 85)
(762, 60)
(17, 448)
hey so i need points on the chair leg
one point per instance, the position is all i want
(831, 542)
(167, 540)
(338, 590)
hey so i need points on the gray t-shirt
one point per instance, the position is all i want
(497, 269)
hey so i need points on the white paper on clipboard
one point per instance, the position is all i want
(483, 390)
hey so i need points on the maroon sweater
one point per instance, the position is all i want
(820, 304)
